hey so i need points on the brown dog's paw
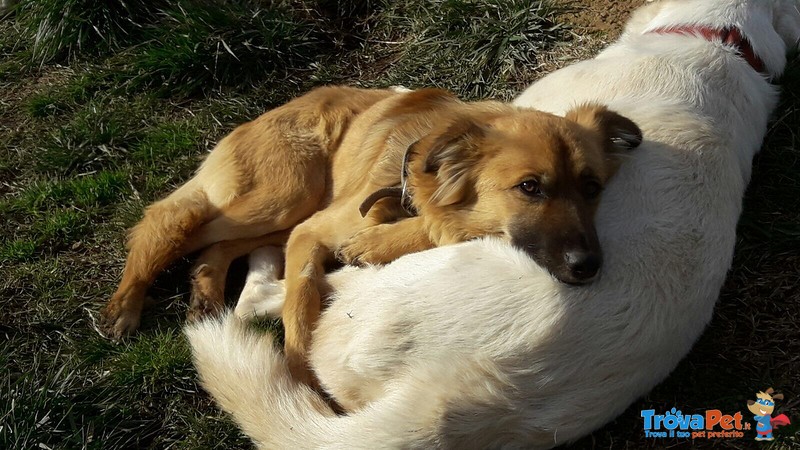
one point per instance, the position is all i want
(206, 299)
(116, 322)
(203, 306)
(363, 248)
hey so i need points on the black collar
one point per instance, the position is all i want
(401, 191)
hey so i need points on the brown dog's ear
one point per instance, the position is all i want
(449, 156)
(750, 402)
(620, 134)
(777, 397)
(769, 391)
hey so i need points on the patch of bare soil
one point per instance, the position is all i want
(592, 24)
(605, 17)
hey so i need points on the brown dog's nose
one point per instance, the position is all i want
(583, 265)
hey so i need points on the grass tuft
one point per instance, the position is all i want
(62, 29)
(151, 364)
(93, 190)
(58, 100)
(33, 403)
(165, 143)
(60, 228)
(95, 138)
(210, 44)
(475, 48)
(17, 250)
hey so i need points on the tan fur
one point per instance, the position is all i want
(266, 176)
(324, 153)
(467, 160)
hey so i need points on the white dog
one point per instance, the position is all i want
(474, 345)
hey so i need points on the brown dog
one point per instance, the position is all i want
(468, 169)
(266, 176)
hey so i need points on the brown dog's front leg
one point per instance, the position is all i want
(383, 243)
(305, 258)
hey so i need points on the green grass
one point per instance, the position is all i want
(88, 191)
(479, 49)
(53, 101)
(165, 143)
(141, 91)
(219, 44)
(63, 29)
(54, 214)
(107, 106)
(18, 250)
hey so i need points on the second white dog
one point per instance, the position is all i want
(475, 346)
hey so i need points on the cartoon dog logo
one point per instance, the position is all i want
(762, 409)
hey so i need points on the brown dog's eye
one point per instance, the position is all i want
(591, 189)
(530, 188)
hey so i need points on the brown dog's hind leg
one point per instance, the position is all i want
(251, 221)
(186, 222)
(211, 269)
(263, 211)
(155, 242)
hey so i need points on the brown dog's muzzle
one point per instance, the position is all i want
(582, 262)
(572, 256)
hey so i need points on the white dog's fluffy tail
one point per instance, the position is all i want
(429, 407)
(249, 379)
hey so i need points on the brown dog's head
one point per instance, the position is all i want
(531, 177)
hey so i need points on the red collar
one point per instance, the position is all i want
(731, 36)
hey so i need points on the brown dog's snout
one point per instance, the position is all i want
(581, 256)
(582, 264)
(574, 257)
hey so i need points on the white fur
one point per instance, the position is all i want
(262, 294)
(475, 346)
